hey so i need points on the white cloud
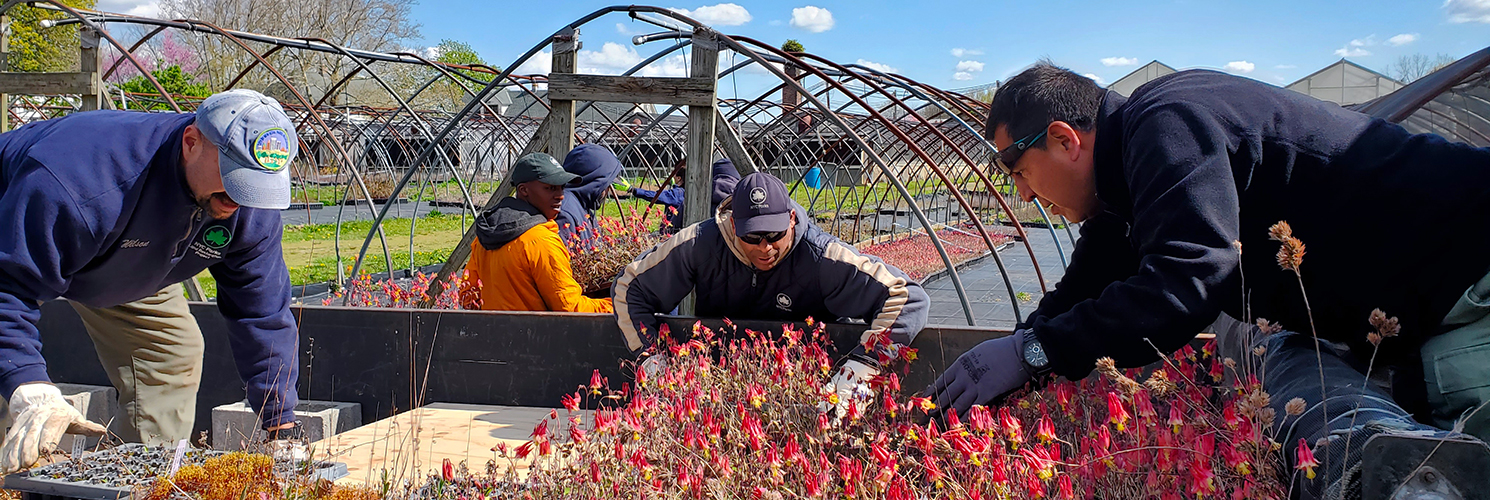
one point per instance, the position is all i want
(1239, 67)
(624, 31)
(540, 64)
(1402, 39)
(1285, 66)
(1119, 61)
(142, 8)
(969, 66)
(612, 58)
(884, 68)
(1095, 78)
(1348, 51)
(960, 52)
(1468, 11)
(1364, 42)
(813, 19)
(430, 53)
(962, 76)
(724, 14)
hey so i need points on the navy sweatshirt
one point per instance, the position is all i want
(99, 212)
(1197, 160)
(597, 167)
(819, 277)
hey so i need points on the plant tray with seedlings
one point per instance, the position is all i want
(116, 472)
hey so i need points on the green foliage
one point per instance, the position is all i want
(458, 52)
(37, 49)
(175, 80)
(792, 46)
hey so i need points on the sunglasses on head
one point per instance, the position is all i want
(1008, 157)
(757, 238)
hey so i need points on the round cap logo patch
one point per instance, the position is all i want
(272, 149)
(217, 237)
(758, 196)
(783, 301)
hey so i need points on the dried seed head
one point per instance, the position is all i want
(1107, 367)
(1238, 245)
(1374, 338)
(1295, 407)
(1159, 384)
(1280, 231)
(1291, 254)
(1387, 327)
(1268, 327)
(1259, 350)
(1230, 363)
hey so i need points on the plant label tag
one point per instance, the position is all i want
(78, 447)
(176, 461)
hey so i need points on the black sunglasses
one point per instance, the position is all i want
(1007, 158)
(756, 238)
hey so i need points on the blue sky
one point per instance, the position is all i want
(1274, 41)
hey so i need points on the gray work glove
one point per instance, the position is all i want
(654, 365)
(39, 418)
(288, 445)
(988, 371)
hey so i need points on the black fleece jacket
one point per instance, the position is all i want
(1195, 161)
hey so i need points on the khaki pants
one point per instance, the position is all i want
(152, 350)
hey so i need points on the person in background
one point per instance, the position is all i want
(596, 167)
(724, 177)
(518, 262)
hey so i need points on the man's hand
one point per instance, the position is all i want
(850, 383)
(39, 417)
(988, 371)
(287, 443)
(653, 366)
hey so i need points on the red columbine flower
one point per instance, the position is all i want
(1011, 426)
(1145, 407)
(1065, 488)
(932, 470)
(1045, 430)
(595, 382)
(752, 427)
(1218, 370)
(1236, 459)
(1117, 414)
(980, 418)
(756, 394)
(890, 406)
(1230, 415)
(447, 471)
(1176, 417)
(1035, 487)
(1306, 461)
(924, 404)
(1202, 480)
(570, 401)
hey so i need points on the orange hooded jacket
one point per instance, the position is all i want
(527, 268)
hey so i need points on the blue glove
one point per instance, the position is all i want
(986, 372)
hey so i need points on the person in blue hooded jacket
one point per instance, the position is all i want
(724, 176)
(112, 210)
(596, 167)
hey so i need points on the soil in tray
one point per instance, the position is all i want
(125, 466)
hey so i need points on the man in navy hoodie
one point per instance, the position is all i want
(112, 211)
(725, 176)
(596, 167)
(1173, 182)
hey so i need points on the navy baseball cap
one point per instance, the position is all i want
(255, 144)
(541, 167)
(760, 205)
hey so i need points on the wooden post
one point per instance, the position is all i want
(697, 181)
(88, 57)
(734, 149)
(4, 66)
(561, 134)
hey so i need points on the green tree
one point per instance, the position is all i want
(37, 49)
(175, 80)
(447, 94)
(792, 46)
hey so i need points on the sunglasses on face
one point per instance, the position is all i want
(757, 238)
(1008, 157)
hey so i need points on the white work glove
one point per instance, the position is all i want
(39, 417)
(851, 383)
(653, 366)
(288, 445)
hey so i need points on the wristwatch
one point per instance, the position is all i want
(1034, 353)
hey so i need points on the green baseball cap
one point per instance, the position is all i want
(541, 167)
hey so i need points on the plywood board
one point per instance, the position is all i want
(417, 442)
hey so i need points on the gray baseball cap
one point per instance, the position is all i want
(255, 142)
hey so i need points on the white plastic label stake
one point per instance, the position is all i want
(180, 453)
(78, 447)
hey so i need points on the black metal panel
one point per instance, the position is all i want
(391, 360)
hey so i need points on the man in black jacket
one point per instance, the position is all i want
(1174, 181)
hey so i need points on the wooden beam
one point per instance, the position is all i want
(4, 66)
(561, 135)
(733, 148)
(632, 89)
(47, 83)
(697, 182)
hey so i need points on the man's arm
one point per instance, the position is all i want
(555, 278)
(672, 197)
(655, 282)
(1102, 256)
(1185, 220)
(253, 294)
(863, 286)
(46, 238)
(470, 287)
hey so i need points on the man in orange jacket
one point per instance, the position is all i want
(518, 259)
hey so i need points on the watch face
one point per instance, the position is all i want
(1034, 354)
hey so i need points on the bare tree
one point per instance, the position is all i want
(1415, 66)
(379, 25)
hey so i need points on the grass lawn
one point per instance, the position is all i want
(311, 257)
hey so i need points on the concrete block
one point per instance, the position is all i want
(97, 403)
(235, 425)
